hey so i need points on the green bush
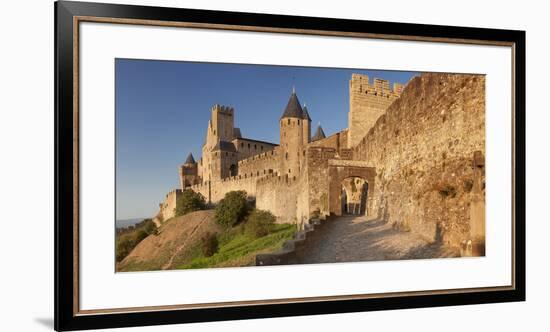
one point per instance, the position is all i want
(259, 223)
(189, 201)
(232, 208)
(209, 244)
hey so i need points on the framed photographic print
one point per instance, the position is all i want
(218, 165)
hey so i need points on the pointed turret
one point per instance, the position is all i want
(293, 136)
(293, 108)
(188, 172)
(190, 159)
(319, 134)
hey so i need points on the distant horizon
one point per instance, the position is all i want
(138, 218)
(163, 108)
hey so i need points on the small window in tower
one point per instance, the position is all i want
(261, 147)
(288, 121)
(255, 147)
(298, 122)
(249, 145)
(286, 155)
(289, 170)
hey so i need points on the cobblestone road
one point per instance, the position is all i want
(358, 238)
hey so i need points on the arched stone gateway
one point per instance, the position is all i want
(344, 177)
(354, 196)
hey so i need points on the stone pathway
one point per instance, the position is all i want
(359, 238)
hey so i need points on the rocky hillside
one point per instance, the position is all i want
(176, 243)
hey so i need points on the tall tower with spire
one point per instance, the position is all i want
(292, 134)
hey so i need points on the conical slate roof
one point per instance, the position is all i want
(190, 159)
(293, 108)
(305, 114)
(319, 134)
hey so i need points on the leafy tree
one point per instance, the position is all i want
(189, 201)
(259, 223)
(232, 208)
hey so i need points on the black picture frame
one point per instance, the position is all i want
(66, 301)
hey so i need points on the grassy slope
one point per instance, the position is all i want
(238, 249)
(177, 246)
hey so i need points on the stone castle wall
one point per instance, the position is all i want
(214, 191)
(282, 195)
(260, 164)
(337, 141)
(167, 208)
(423, 149)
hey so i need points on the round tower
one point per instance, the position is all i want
(291, 128)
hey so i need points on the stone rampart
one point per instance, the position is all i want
(168, 207)
(261, 164)
(282, 196)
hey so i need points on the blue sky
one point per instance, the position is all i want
(163, 107)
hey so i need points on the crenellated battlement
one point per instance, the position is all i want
(173, 192)
(379, 87)
(367, 102)
(274, 178)
(262, 156)
(228, 110)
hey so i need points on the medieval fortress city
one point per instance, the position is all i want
(412, 156)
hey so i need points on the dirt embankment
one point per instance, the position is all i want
(174, 244)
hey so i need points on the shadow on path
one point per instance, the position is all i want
(359, 238)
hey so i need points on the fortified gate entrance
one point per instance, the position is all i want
(349, 184)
